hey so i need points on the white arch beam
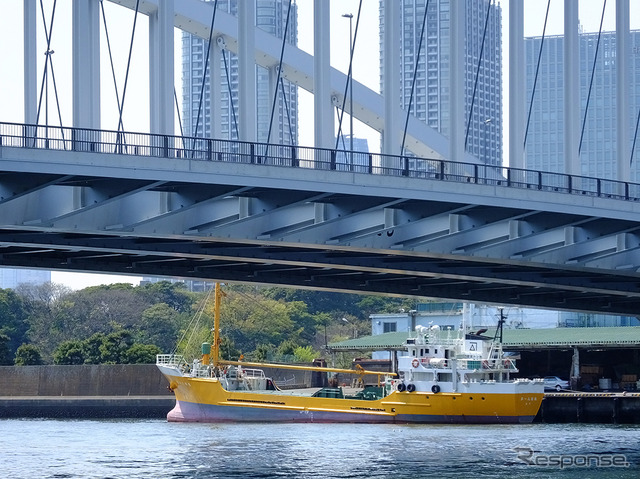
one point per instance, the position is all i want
(194, 16)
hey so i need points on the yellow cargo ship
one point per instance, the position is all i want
(442, 377)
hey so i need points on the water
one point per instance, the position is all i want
(157, 449)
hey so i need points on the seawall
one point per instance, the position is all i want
(84, 391)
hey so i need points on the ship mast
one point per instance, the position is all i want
(216, 325)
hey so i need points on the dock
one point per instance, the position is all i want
(590, 407)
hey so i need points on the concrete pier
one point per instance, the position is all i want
(586, 407)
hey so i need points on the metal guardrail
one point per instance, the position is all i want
(165, 146)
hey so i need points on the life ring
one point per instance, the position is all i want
(507, 363)
(411, 388)
(401, 387)
(415, 363)
(435, 389)
(485, 364)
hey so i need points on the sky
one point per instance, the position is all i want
(135, 111)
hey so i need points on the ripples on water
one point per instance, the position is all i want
(157, 449)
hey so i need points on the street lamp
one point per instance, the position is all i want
(354, 327)
(350, 80)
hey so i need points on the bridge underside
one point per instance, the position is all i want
(306, 228)
(326, 269)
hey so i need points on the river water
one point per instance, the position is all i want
(156, 449)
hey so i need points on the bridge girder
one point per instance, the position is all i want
(309, 228)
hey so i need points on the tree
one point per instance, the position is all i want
(13, 320)
(160, 325)
(70, 352)
(114, 347)
(141, 354)
(28, 355)
(5, 351)
(173, 295)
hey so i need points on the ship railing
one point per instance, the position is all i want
(493, 364)
(171, 360)
(253, 373)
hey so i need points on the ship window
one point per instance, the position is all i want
(435, 351)
(422, 352)
(427, 351)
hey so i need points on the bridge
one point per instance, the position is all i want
(443, 225)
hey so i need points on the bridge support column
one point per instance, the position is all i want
(456, 82)
(571, 89)
(161, 65)
(247, 70)
(323, 118)
(391, 82)
(215, 88)
(30, 63)
(86, 64)
(623, 92)
(516, 84)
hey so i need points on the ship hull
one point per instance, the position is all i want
(205, 400)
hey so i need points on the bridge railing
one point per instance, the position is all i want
(199, 149)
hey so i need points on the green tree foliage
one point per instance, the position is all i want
(28, 355)
(174, 295)
(113, 348)
(141, 354)
(5, 351)
(13, 320)
(160, 325)
(70, 352)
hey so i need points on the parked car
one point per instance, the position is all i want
(554, 382)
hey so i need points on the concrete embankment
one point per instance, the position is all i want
(86, 391)
(585, 407)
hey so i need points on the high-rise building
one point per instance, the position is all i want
(482, 72)
(11, 278)
(544, 148)
(271, 16)
(545, 137)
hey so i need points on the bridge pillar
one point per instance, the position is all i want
(86, 64)
(247, 70)
(516, 84)
(623, 91)
(456, 82)
(161, 66)
(30, 63)
(215, 88)
(323, 121)
(391, 81)
(571, 88)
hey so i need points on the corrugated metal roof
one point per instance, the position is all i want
(552, 338)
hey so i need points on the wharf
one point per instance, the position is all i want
(590, 407)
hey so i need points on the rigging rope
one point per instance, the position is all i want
(593, 70)
(126, 77)
(535, 78)
(275, 93)
(204, 76)
(349, 78)
(415, 74)
(475, 84)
